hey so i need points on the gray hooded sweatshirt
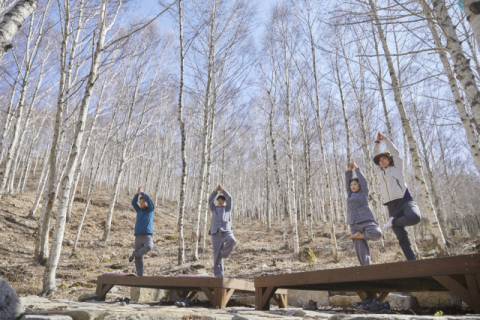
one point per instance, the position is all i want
(358, 209)
(221, 216)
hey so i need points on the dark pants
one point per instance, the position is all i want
(406, 213)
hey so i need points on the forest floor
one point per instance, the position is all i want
(257, 251)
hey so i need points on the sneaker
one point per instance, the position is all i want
(185, 303)
(364, 302)
(375, 307)
(389, 224)
(126, 300)
(131, 258)
(179, 301)
(311, 305)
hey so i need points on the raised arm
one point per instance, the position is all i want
(397, 160)
(362, 181)
(348, 177)
(229, 200)
(376, 150)
(148, 200)
(211, 200)
(134, 203)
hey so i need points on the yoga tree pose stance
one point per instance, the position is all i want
(402, 209)
(221, 229)
(143, 228)
(359, 215)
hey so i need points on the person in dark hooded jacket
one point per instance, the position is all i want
(145, 209)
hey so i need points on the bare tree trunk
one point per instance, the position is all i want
(461, 64)
(473, 17)
(183, 177)
(457, 96)
(49, 285)
(206, 128)
(12, 22)
(437, 233)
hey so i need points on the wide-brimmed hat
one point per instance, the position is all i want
(383, 154)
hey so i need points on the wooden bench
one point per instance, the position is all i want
(458, 274)
(218, 290)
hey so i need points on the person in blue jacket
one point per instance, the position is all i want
(145, 209)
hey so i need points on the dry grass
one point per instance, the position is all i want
(257, 252)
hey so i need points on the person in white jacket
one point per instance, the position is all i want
(402, 209)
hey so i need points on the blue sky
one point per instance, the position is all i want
(152, 8)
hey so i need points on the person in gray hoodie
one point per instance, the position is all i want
(359, 215)
(402, 209)
(221, 229)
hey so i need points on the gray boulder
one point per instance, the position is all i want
(48, 317)
(87, 297)
(11, 307)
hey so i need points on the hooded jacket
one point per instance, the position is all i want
(391, 179)
(358, 209)
(221, 216)
(144, 223)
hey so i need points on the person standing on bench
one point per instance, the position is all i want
(359, 215)
(402, 209)
(143, 228)
(221, 229)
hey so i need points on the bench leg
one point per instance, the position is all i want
(102, 290)
(263, 296)
(473, 283)
(281, 299)
(458, 289)
(383, 296)
(185, 294)
(220, 298)
(362, 295)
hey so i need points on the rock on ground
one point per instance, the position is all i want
(10, 305)
(45, 317)
(401, 302)
(146, 295)
(87, 297)
(437, 299)
(298, 298)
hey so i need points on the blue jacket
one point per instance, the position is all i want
(144, 223)
(358, 209)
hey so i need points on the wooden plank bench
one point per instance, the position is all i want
(458, 274)
(218, 290)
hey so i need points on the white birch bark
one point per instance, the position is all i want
(461, 64)
(205, 133)
(49, 285)
(436, 230)
(183, 176)
(457, 96)
(473, 17)
(12, 22)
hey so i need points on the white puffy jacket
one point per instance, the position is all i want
(391, 179)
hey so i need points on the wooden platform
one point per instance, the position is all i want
(459, 274)
(218, 290)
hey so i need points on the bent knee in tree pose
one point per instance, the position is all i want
(221, 229)
(145, 209)
(402, 209)
(359, 214)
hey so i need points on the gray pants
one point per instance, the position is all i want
(223, 243)
(143, 244)
(371, 231)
